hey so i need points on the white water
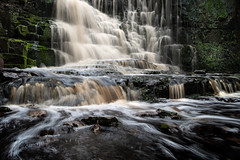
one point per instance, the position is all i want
(195, 113)
(82, 32)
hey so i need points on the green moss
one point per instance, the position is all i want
(44, 54)
(14, 17)
(31, 62)
(21, 48)
(164, 126)
(23, 30)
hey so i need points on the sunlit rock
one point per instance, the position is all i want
(38, 113)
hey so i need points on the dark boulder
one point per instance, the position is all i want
(105, 121)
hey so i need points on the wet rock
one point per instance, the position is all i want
(147, 114)
(96, 128)
(172, 115)
(105, 121)
(10, 75)
(68, 127)
(46, 132)
(37, 113)
(4, 110)
(73, 124)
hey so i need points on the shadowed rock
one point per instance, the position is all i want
(1, 64)
(172, 115)
(46, 132)
(4, 110)
(105, 121)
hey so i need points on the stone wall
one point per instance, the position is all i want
(25, 35)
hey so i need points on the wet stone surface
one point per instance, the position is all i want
(38, 113)
(105, 121)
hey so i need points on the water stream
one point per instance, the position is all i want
(118, 92)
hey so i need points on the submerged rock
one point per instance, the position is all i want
(38, 113)
(147, 114)
(160, 113)
(105, 121)
(172, 115)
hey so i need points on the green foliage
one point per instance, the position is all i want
(209, 13)
(211, 56)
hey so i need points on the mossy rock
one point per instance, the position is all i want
(17, 46)
(12, 60)
(42, 55)
(22, 30)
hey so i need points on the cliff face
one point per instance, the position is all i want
(213, 27)
(25, 35)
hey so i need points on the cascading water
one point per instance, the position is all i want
(85, 33)
(113, 99)
(82, 33)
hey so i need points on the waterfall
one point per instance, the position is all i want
(88, 92)
(221, 86)
(176, 91)
(82, 31)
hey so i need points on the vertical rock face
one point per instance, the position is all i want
(25, 33)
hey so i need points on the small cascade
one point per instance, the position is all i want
(176, 91)
(220, 86)
(90, 91)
